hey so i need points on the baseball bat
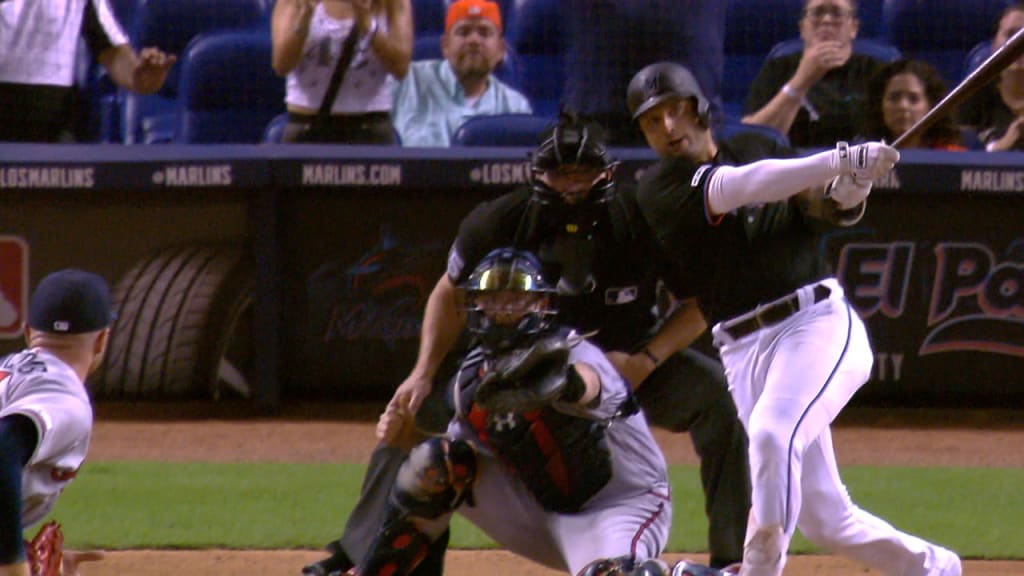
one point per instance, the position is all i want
(981, 76)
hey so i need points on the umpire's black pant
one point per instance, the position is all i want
(687, 393)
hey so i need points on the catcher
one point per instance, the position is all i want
(548, 452)
(46, 417)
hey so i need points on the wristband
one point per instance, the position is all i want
(791, 93)
(650, 356)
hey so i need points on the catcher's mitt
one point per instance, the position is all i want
(46, 550)
(530, 378)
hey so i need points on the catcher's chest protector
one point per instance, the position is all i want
(562, 459)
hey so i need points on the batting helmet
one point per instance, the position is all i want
(660, 81)
(507, 270)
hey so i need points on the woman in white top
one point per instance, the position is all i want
(308, 36)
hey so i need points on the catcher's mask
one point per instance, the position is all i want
(574, 146)
(508, 302)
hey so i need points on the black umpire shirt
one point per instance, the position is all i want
(736, 261)
(604, 266)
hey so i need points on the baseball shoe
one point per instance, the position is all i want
(687, 568)
(334, 565)
(947, 563)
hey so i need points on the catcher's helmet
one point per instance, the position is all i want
(573, 142)
(508, 270)
(660, 81)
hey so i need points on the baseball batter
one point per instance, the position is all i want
(744, 241)
(548, 453)
(45, 413)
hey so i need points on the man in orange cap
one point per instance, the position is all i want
(438, 96)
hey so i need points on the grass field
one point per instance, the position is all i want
(120, 505)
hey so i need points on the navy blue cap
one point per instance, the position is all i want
(70, 301)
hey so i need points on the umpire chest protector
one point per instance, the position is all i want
(563, 459)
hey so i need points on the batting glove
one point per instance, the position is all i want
(847, 191)
(867, 162)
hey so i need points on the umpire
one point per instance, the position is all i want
(590, 237)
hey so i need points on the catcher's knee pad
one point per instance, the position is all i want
(436, 477)
(625, 566)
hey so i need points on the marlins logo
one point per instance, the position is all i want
(652, 87)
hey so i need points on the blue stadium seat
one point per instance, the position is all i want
(752, 27)
(502, 130)
(940, 32)
(732, 127)
(428, 16)
(275, 129)
(429, 48)
(170, 25)
(878, 49)
(536, 33)
(227, 92)
(981, 51)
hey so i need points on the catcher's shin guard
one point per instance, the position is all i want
(436, 477)
(396, 551)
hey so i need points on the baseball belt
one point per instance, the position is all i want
(772, 313)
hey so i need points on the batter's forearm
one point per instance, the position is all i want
(769, 180)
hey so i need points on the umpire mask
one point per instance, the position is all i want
(572, 174)
(508, 302)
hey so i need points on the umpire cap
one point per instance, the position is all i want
(660, 81)
(71, 301)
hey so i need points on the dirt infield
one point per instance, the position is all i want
(345, 434)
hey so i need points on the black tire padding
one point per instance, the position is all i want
(173, 308)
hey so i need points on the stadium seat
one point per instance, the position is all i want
(752, 27)
(170, 25)
(731, 128)
(940, 32)
(275, 129)
(866, 46)
(501, 130)
(536, 35)
(227, 92)
(428, 17)
(429, 48)
(981, 51)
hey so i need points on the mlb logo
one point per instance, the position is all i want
(13, 285)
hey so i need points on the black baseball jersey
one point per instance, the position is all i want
(731, 262)
(602, 258)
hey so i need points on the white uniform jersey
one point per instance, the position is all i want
(367, 84)
(40, 386)
(39, 38)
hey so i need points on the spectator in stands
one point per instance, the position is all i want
(608, 41)
(437, 96)
(38, 44)
(997, 112)
(901, 93)
(813, 95)
(310, 37)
